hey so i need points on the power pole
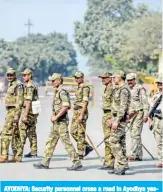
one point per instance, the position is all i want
(29, 24)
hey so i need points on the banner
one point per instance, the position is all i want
(81, 186)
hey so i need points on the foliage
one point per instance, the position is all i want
(44, 54)
(108, 30)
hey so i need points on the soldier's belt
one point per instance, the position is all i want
(10, 107)
(76, 107)
(158, 116)
(106, 110)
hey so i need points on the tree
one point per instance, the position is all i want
(140, 46)
(44, 54)
(105, 30)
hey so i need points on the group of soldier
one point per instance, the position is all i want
(125, 107)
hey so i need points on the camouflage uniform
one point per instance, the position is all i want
(121, 100)
(139, 106)
(107, 109)
(10, 133)
(158, 126)
(59, 129)
(77, 132)
(29, 129)
(158, 132)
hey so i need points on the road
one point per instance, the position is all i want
(144, 170)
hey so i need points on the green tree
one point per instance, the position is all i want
(141, 41)
(44, 54)
(106, 28)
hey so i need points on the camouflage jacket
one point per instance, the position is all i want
(60, 99)
(15, 96)
(121, 102)
(82, 94)
(30, 93)
(107, 98)
(139, 100)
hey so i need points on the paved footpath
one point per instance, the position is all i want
(144, 170)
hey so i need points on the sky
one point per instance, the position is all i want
(47, 16)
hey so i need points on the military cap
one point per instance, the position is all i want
(27, 72)
(105, 75)
(78, 74)
(11, 71)
(55, 76)
(130, 76)
(119, 73)
(159, 80)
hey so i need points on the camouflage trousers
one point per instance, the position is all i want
(109, 158)
(78, 133)
(59, 130)
(117, 143)
(28, 130)
(135, 132)
(10, 135)
(158, 133)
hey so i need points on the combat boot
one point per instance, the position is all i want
(40, 166)
(30, 155)
(74, 168)
(120, 171)
(3, 159)
(106, 167)
(111, 171)
(88, 149)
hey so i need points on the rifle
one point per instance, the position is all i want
(152, 111)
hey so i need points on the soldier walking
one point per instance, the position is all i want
(28, 119)
(157, 122)
(121, 101)
(61, 105)
(107, 114)
(80, 115)
(10, 133)
(139, 108)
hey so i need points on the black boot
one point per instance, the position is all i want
(106, 167)
(74, 168)
(120, 171)
(40, 166)
(30, 155)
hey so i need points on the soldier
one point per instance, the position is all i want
(28, 119)
(61, 105)
(80, 109)
(157, 123)
(139, 108)
(107, 109)
(121, 101)
(10, 133)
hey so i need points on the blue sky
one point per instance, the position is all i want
(47, 16)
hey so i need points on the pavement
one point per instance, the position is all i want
(144, 170)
